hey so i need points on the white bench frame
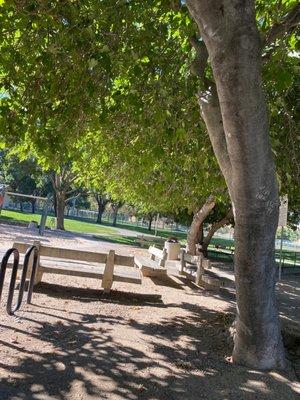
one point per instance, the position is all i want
(155, 266)
(161, 255)
(202, 264)
(108, 275)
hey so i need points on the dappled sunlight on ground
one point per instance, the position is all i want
(148, 342)
(164, 340)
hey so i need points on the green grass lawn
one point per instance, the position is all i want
(223, 243)
(73, 225)
(84, 225)
(108, 233)
(129, 240)
(165, 233)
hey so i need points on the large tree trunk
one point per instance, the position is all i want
(33, 203)
(214, 228)
(232, 40)
(101, 207)
(54, 203)
(102, 201)
(61, 183)
(115, 215)
(197, 225)
(60, 210)
(116, 206)
(150, 220)
(100, 213)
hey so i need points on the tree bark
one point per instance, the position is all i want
(101, 202)
(99, 215)
(214, 228)
(196, 226)
(229, 31)
(54, 202)
(116, 206)
(150, 220)
(114, 223)
(60, 210)
(33, 203)
(61, 183)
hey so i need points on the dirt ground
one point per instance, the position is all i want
(162, 340)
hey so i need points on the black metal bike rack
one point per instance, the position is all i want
(10, 308)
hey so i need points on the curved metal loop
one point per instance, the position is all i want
(33, 273)
(9, 307)
(4, 263)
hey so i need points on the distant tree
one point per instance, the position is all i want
(102, 199)
(21, 176)
(116, 205)
(64, 190)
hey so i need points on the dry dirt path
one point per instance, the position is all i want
(9, 233)
(163, 340)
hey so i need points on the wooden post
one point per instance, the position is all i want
(38, 272)
(152, 256)
(182, 261)
(206, 264)
(200, 270)
(108, 275)
(162, 261)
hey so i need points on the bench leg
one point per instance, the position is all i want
(182, 262)
(200, 271)
(108, 274)
(38, 276)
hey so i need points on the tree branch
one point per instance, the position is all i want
(198, 219)
(211, 114)
(210, 109)
(73, 197)
(217, 225)
(199, 63)
(288, 24)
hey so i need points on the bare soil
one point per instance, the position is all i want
(162, 340)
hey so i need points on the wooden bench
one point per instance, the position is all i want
(155, 266)
(54, 260)
(194, 267)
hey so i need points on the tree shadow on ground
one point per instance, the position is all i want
(167, 281)
(91, 295)
(182, 357)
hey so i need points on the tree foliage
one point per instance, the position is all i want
(111, 88)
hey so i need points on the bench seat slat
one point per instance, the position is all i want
(149, 267)
(85, 272)
(141, 261)
(67, 254)
(85, 264)
(127, 261)
(155, 251)
(90, 272)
